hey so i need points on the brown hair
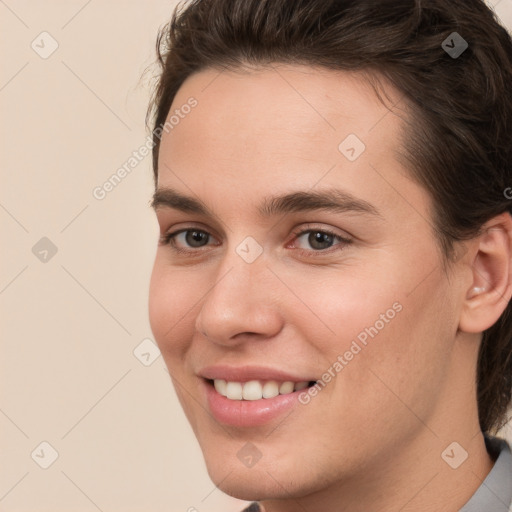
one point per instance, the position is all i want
(458, 144)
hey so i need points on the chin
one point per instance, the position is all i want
(247, 489)
(274, 476)
(249, 484)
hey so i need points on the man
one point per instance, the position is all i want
(331, 290)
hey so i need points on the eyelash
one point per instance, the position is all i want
(169, 240)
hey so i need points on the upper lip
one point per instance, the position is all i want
(247, 373)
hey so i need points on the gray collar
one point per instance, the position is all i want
(495, 493)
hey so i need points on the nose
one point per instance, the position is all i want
(242, 304)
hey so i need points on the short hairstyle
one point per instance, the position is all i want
(458, 141)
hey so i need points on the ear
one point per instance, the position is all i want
(491, 269)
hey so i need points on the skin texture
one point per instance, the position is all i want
(372, 439)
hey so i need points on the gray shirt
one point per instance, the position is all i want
(495, 492)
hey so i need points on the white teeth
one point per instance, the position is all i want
(256, 389)
(234, 390)
(252, 390)
(270, 389)
(286, 387)
(220, 386)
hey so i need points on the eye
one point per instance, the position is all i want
(321, 240)
(188, 240)
(195, 238)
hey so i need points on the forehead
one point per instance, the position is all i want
(286, 101)
(271, 128)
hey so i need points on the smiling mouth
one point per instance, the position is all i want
(257, 389)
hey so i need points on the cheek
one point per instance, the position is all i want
(338, 310)
(400, 369)
(172, 295)
(390, 340)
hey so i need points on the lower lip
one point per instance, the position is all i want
(248, 413)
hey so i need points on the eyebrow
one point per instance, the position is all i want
(332, 200)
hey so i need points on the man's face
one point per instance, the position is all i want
(354, 297)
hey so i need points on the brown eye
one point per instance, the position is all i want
(320, 241)
(188, 238)
(195, 238)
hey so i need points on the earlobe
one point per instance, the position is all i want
(491, 287)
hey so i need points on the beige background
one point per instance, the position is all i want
(73, 371)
